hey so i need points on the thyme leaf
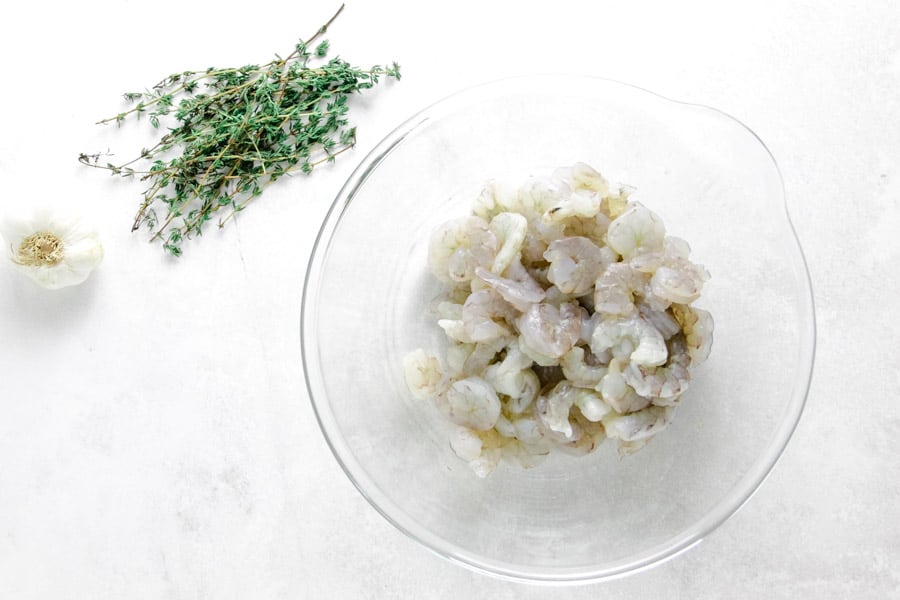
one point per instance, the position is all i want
(237, 131)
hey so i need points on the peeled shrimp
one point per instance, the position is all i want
(575, 264)
(495, 197)
(636, 231)
(632, 339)
(471, 402)
(513, 378)
(578, 371)
(616, 392)
(550, 331)
(423, 373)
(482, 316)
(460, 245)
(520, 289)
(579, 203)
(679, 282)
(616, 288)
(698, 330)
(582, 176)
(593, 228)
(509, 229)
(663, 384)
(639, 425)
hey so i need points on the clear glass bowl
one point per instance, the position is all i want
(366, 304)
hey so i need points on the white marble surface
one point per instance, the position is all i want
(156, 440)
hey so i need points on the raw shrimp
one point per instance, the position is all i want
(423, 373)
(548, 330)
(481, 450)
(470, 402)
(524, 455)
(460, 245)
(513, 378)
(615, 203)
(593, 228)
(580, 203)
(592, 435)
(483, 316)
(538, 238)
(663, 384)
(662, 320)
(674, 278)
(633, 339)
(495, 197)
(520, 289)
(576, 263)
(581, 176)
(678, 282)
(673, 249)
(554, 409)
(483, 354)
(509, 229)
(616, 392)
(457, 354)
(639, 425)
(616, 288)
(636, 231)
(698, 330)
(465, 443)
(578, 371)
(538, 195)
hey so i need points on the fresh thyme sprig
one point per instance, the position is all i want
(238, 131)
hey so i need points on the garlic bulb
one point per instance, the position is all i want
(52, 246)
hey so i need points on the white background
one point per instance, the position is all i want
(156, 439)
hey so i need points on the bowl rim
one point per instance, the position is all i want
(726, 506)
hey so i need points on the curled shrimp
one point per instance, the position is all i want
(579, 203)
(555, 409)
(698, 327)
(483, 316)
(538, 195)
(509, 229)
(582, 176)
(664, 384)
(496, 196)
(635, 429)
(423, 374)
(471, 402)
(519, 289)
(548, 330)
(576, 369)
(636, 231)
(482, 450)
(593, 228)
(631, 339)
(662, 320)
(460, 245)
(593, 433)
(576, 263)
(616, 392)
(616, 288)
(513, 378)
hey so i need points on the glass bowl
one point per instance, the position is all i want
(569, 520)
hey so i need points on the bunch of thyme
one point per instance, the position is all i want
(238, 131)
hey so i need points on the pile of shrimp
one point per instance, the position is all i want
(568, 314)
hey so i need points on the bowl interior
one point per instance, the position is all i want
(367, 298)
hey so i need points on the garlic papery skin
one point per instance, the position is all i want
(52, 246)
